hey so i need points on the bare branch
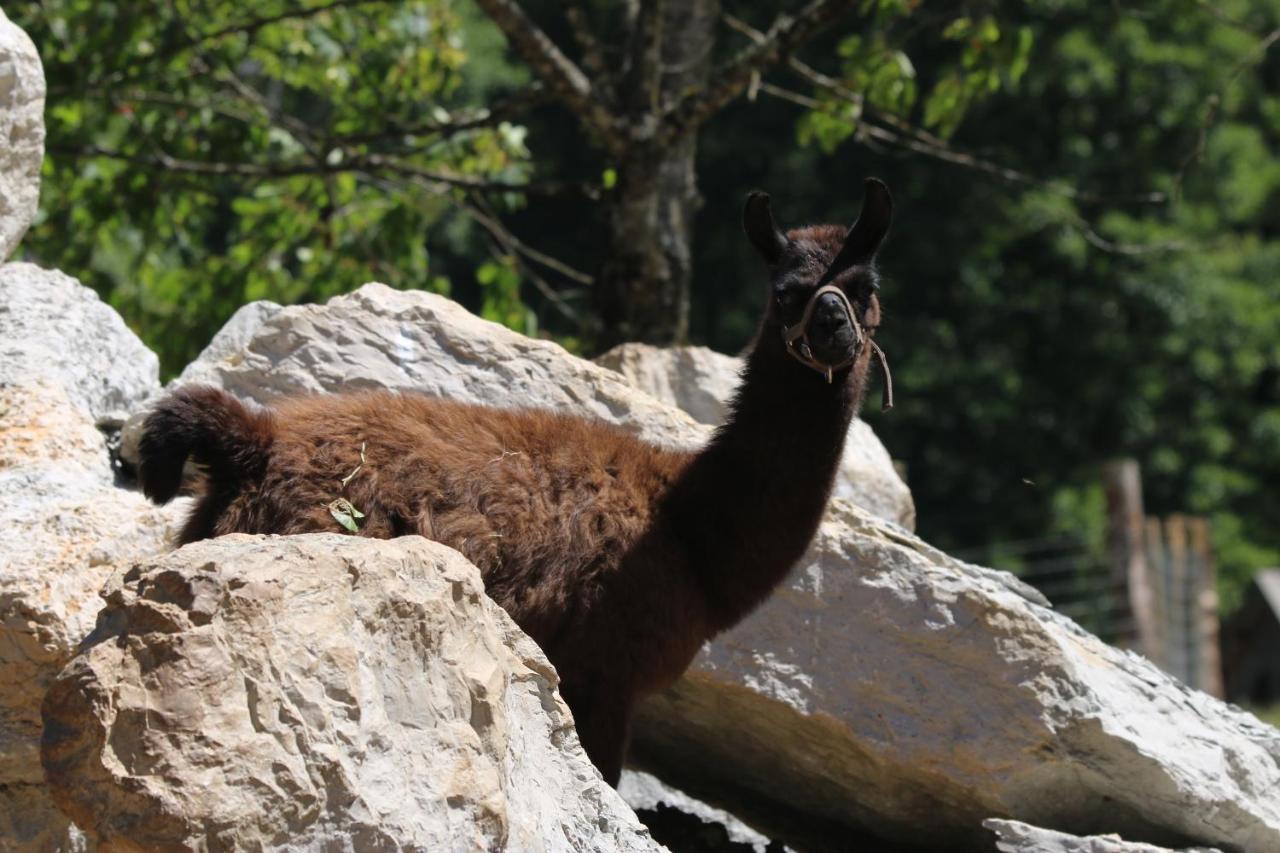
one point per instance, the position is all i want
(1213, 104)
(558, 73)
(291, 168)
(365, 162)
(785, 34)
(646, 61)
(873, 135)
(905, 135)
(252, 25)
(589, 45)
(505, 108)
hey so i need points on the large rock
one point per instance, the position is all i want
(891, 688)
(63, 525)
(378, 337)
(1015, 837)
(70, 366)
(701, 382)
(52, 328)
(22, 129)
(320, 693)
(21, 133)
(658, 804)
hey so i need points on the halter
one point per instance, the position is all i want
(796, 339)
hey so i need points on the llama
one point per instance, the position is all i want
(617, 557)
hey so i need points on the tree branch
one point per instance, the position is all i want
(505, 108)
(589, 45)
(785, 34)
(905, 135)
(646, 62)
(252, 25)
(1213, 105)
(558, 73)
(366, 163)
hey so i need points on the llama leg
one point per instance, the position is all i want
(603, 721)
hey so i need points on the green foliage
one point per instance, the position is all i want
(204, 154)
(1118, 301)
(1114, 296)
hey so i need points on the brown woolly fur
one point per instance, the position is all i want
(619, 558)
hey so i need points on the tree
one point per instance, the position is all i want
(204, 154)
(645, 84)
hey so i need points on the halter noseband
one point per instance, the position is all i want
(796, 339)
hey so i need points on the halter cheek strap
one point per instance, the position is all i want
(796, 338)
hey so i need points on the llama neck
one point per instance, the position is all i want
(748, 505)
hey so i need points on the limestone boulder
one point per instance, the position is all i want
(71, 367)
(54, 329)
(22, 92)
(892, 689)
(378, 337)
(1015, 837)
(63, 525)
(320, 693)
(701, 382)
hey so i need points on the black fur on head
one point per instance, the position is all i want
(804, 259)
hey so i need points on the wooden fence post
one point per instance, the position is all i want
(1183, 657)
(1205, 607)
(1130, 572)
(1158, 562)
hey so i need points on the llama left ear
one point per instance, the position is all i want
(757, 221)
(864, 238)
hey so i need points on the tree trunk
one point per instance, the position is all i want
(642, 285)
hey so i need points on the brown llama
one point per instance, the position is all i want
(618, 557)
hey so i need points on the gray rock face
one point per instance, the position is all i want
(1015, 837)
(70, 366)
(63, 525)
(698, 380)
(643, 791)
(320, 693)
(54, 329)
(893, 688)
(21, 133)
(377, 337)
(701, 382)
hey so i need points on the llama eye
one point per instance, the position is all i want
(789, 298)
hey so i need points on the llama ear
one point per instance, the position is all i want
(864, 238)
(757, 221)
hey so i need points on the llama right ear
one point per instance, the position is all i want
(864, 238)
(757, 221)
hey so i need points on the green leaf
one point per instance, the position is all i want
(345, 514)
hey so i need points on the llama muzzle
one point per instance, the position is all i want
(796, 338)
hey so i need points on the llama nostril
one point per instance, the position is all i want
(829, 313)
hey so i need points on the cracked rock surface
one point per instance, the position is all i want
(320, 692)
(22, 92)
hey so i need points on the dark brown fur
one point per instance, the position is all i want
(619, 558)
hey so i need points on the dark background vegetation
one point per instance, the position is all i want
(1084, 262)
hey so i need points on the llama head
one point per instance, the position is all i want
(823, 279)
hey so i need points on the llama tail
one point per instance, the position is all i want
(212, 428)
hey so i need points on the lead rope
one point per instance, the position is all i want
(886, 390)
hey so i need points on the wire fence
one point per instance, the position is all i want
(1150, 587)
(1076, 577)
